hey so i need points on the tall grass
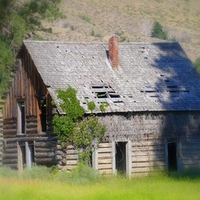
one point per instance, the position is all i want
(84, 183)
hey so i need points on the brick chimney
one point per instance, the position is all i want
(113, 51)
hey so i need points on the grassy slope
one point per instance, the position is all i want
(91, 20)
(145, 188)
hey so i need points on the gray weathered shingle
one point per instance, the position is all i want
(150, 77)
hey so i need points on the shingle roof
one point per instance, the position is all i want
(150, 76)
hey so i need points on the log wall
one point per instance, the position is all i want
(28, 87)
(45, 150)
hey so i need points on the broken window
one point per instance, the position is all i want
(21, 117)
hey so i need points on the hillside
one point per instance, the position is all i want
(132, 20)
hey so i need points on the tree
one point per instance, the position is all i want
(197, 64)
(75, 127)
(20, 20)
(158, 32)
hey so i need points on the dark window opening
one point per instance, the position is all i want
(172, 156)
(43, 115)
(32, 156)
(21, 117)
(120, 157)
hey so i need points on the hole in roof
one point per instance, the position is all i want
(113, 95)
(173, 91)
(150, 91)
(97, 86)
(162, 75)
(166, 80)
(118, 101)
(172, 86)
(104, 91)
(101, 94)
(154, 96)
(145, 57)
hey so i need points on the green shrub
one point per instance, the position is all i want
(37, 172)
(83, 174)
(7, 172)
(85, 18)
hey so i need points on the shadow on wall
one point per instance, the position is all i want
(177, 90)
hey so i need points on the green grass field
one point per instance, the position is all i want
(160, 187)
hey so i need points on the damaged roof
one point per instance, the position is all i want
(149, 76)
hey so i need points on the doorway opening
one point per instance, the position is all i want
(120, 157)
(172, 155)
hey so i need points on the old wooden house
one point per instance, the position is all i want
(153, 117)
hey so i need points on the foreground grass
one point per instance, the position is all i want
(153, 188)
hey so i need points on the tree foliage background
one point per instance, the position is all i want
(21, 19)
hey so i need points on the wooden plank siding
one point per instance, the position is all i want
(105, 157)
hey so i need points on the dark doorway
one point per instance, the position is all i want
(172, 156)
(120, 157)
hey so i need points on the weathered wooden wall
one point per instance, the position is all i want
(105, 158)
(27, 86)
(45, 150)
(190, 147)
(147, 134)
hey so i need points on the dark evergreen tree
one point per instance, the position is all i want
(158, 32)
(20, 20)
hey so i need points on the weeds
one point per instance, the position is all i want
(85, 18)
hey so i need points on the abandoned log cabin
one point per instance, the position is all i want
(153, 117)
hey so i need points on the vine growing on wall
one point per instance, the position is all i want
(75, 127)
